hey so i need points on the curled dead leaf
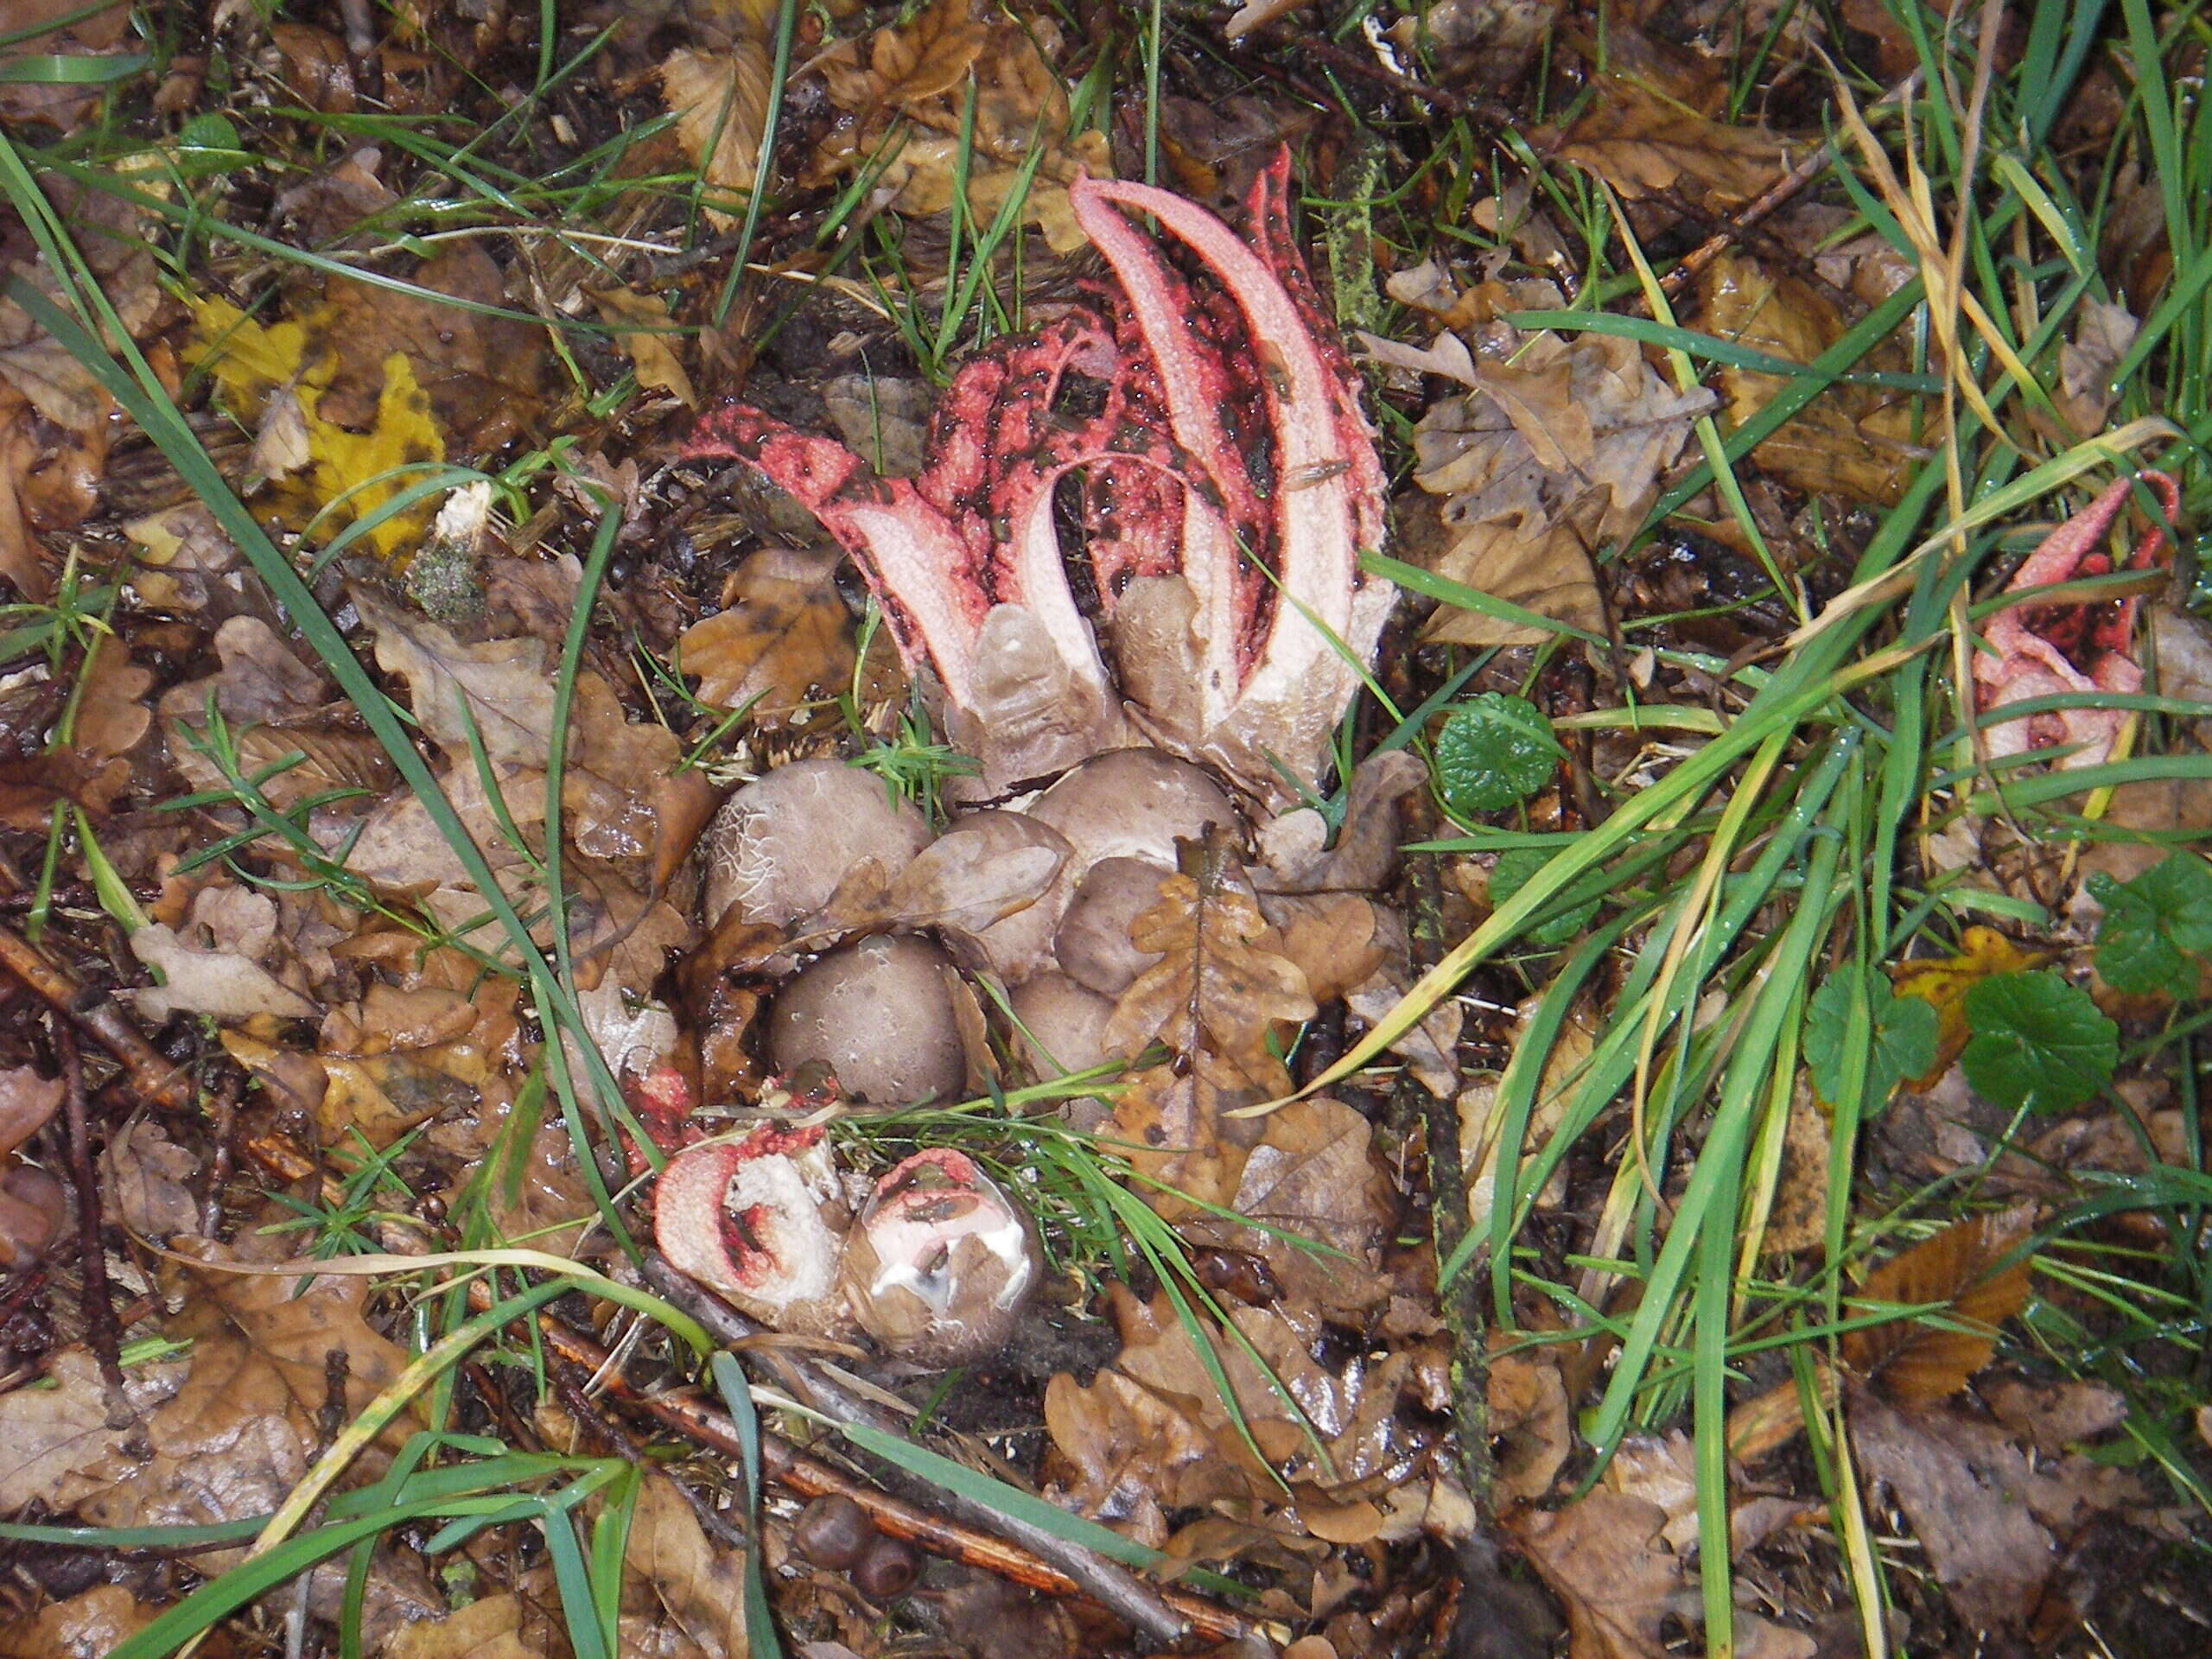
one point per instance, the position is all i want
(1961, 1272)
(1858, 441)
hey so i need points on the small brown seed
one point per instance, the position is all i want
(888, 1570)
(834, 1532)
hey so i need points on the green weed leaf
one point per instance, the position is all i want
(2154, 925)
(2037, 1042)
(1905, 1031)
(1494, 751)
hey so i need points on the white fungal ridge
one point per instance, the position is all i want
(788, 1224)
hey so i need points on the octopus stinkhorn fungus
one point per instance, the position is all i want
(760, 1222)
(2052, 649)
(940, 1261)
(1223, 476)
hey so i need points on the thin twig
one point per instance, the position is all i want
(153, 1078)
(809, 1476)
(1114, 1587)
(102, 1334)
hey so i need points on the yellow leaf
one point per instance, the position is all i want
(363, 468)
(254, 364)
(1943, 982)
(249, 360)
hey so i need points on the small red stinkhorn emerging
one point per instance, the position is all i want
(760, 1223)
(1226, 484)
(2041, 650)
(940, 1262)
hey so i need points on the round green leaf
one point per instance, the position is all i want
(2037, 1042)
(1493, 753)
(2154, 925)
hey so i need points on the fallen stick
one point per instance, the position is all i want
(806, 1475)
(153, 1078)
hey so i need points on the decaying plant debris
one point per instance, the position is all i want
(947, 830)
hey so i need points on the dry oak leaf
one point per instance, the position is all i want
(72, 32)
(142, 1173)
(1645, 145)
(29, 787)
(650, 346)
(720, 100)
(499, 694)
(487, 1629)
(1945, 981)
(781, 642)
(232, 1442)
(699, 1589)
(212, 964)
(1312, 1177)
(1856, 441)
(929, 55)
(1989, 1519)
(88, 1626)
(1173, 1127)
(1217, 988)
(1351, 1444)
(27, 1100)
(1547, 457)
(920, 73)
(48, 1435)
(1527, 1400)
(1615, 1579)
(295, 1329)
(1927, 1358)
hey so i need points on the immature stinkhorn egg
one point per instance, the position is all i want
(940, 1262)
(888, 1570)
(879, 1014)
(1132, 804)
(833, 1531)
(781, 844)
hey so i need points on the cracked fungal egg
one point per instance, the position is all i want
(939, 1265)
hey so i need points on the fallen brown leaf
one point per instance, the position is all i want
(720, 100)
(1990, 1520)
(490, 1628)
(918, 73)
(292, 1329)
(1643, 144)
(1313, 1176)
(1549, 457)
(2054, 1415)
(143, 1175)
(1856, 441)
(1603, 1559)
(213, 964)
(48, 1435)
(699, 1589)
(1217, 989)
(88, 1626)
(1917, 1360)
(781, 641)
(650, 345)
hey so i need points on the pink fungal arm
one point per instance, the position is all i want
(2052, 649)
(1215, 422)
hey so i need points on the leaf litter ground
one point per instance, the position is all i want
(1736, 985)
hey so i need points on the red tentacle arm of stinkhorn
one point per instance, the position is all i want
(1229, 484)
(2052, 649)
